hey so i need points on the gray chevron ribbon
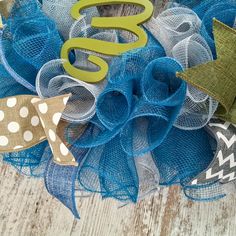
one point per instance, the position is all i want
(223, 166)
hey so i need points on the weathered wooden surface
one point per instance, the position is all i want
(27, 209)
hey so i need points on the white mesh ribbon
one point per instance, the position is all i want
(82, 29)
(171, 4)
(174, 25)
(59, 11)
(234, 26)
(83, 22)
(177, 30)
(52, 80)
(198, 107)
(148, 174)
(190, 52)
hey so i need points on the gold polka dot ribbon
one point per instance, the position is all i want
(218, 78)
(26, 120)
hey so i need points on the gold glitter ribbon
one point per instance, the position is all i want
(218, 78)
(26, 120)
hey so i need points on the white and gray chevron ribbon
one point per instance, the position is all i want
(223, 166)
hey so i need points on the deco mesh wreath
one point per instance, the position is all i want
(91, 110)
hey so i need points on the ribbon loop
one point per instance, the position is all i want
(28, 40)
(174, 25)
(198, 107)
(217, 78)
(52, 81)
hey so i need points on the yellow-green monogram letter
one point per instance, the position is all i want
(129, 23)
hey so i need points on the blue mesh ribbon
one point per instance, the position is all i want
(129, 123)
(124, 80)
(224, 12)
(28, 162)
(108, 170)
(206, 192)
(151, 97)
(201, 7)
(8, 86)
(182, 155)
(29, 39)
(60, 181)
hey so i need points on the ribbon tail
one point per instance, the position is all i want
(60, 183)
(50, 112)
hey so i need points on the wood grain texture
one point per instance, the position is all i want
(27, 209)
